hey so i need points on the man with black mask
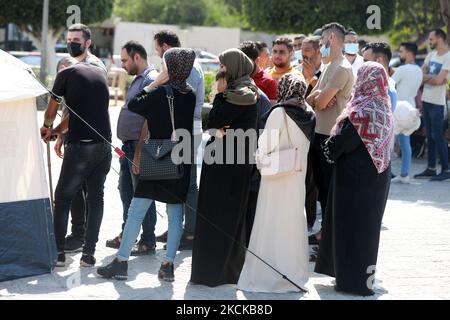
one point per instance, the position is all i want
(79, 40)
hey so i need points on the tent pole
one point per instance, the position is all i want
(49, 164)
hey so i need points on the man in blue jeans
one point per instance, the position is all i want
(130, 126)
(436, 74)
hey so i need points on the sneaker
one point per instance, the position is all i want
(116, 269)
(87, 260)
(165, 273)
(400, 179)
(114, 243)
(442, 177)
(142, 249)
(162, 237)
(73, 244)
(428, 173)
(61, 262)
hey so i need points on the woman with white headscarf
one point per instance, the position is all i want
(360, 148)
(280, 232)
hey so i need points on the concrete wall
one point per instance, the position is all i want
(211, 39)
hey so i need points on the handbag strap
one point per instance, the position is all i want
(287, 129)
(170, 99)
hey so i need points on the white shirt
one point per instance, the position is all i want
(409, 79)
(357, 63)
(436, 63)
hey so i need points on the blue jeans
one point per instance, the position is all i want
(405, 145)
(83, 162)
(138, 209)
(127, 184)
(434, 122)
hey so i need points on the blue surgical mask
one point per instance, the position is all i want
(298, 55)
(325, 51)
(351, 48)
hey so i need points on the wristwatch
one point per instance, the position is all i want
(48, 127)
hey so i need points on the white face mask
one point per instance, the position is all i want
(351, 48)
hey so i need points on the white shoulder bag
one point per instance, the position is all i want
(280, 163)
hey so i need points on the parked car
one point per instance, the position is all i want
(33, 59)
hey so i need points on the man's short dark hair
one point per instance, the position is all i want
(250, 49)
(300, 37)
(351, 32)
(168, 37)
(318, 32)
(133, 48)
(314, 40)
(380, 49)
(410, 47)
(284, 41)
(87, 34)
(337, 28)
(440, 34)
(66, 61)
(261, 45)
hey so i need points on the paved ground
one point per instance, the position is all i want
(414, 256)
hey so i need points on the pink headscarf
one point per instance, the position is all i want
(371, 115)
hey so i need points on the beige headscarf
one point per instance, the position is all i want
(241, 90)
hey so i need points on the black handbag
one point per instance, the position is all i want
(156, 161)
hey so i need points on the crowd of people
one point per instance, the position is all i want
(319, 95)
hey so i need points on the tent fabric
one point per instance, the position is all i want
(16, 81)
(27, 241)
(22, 167)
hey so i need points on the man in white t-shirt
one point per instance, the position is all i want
(351, 51)
(436, 75)
(408, 78)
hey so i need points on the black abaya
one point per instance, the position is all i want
(222, 203)
(351, 231)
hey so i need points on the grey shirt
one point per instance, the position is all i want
(130, 124)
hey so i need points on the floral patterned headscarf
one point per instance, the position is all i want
(370, 113)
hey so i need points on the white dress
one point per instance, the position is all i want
(280, 232)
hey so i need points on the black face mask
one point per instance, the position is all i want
(74, 49)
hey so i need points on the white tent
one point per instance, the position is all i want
(27, 244)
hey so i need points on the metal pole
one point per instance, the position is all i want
(50, 180)
(43, 72)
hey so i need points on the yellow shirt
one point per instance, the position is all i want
(277, 75)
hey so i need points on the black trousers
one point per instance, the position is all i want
(312, 193)
(321, 170)
(79, 212)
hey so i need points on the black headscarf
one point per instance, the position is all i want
(291, 97)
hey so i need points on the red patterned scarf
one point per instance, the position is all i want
(371, 115)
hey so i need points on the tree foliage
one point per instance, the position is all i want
(414, 20)
(28, 15)
(304, 16)
(181, 12)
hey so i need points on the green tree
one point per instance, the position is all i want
(28, 16)
(288, 16)
(414, 20)
(180, 12)
(192, 12)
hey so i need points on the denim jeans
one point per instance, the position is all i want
(127, 184)
(79, 213)
(405, 145)
(83, 162)
(434, 122)
(136, 213)
(190, 207)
